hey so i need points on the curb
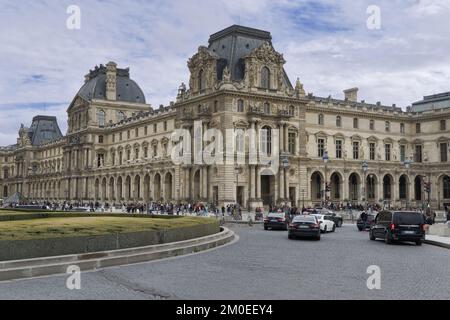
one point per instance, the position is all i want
(38, 267)
(437, 244)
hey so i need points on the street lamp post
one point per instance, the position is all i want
(365, 167)
(325, 159)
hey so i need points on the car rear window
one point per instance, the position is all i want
(276, 215)
(408, 218)
(304, 219)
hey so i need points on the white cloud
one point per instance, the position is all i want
(326, 43)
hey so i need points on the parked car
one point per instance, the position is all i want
(369, 222)
(326, 224)
(337, 218)
(398, 226)
(276, 220)
(304, 226)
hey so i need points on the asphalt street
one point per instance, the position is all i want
(265, 265)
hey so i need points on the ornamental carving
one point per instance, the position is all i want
(206, 61)
(267, 54)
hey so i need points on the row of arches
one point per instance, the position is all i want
(373, 189)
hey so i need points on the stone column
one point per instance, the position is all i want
(205, 182)
(281, 136)
(258, 183)
(252, 182)
(286, 184)
(286, 137)
(281, 184)
(187, 183)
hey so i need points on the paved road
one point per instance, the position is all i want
(265, 265)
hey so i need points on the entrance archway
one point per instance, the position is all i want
(146, 188)
(354, 185)
(316, 186)
(387, 187)
(168, 187)
(403, 187)
(268, 189)
(418, 188)
(335, 186)
(157, 187)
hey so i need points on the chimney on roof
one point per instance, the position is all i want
(351, 94)
(111, 80)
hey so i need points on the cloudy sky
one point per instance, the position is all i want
(326, 43)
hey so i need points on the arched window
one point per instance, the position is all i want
(120, 116)
(265, 78)
(201, 80)
(266, 108)
(266, 140)
(338, 121)
(101, 118)
(240, 105)
(320, 119)
(292, 111)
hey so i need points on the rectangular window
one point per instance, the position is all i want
(338, 149)
(100, 160)
(136, 132)
(113, 158)
(355, 150)
(128, 134)
(145, 130)
(155, 151)
(136, 154)
(372, 151)
(320, 147)
(387, 152)
(402, 153)
(402, 128)
(128, 155)
(120, 136)
(444, 152)
(113, 138)
(418, 153)
(120, 158)
(145, 152)
(417, 127)
(100, 139)
(443, 125)
(372, 125)
(165, 125)
(154, 128)
(291, 142)
(355, 123)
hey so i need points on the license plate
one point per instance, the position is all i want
(303, 227)
(409, 232)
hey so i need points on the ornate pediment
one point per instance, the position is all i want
(201, 58)
(241, 124)
(267, 54)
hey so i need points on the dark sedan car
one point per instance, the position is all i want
(304, 226)
(369, 222)
(276, 220)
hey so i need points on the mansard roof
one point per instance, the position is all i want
(44, 129)
(432, 102)
(234, 43)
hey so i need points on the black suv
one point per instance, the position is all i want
(398, 226)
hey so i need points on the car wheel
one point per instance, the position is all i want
(360, 229)
(265, 228)
(371, 237)
(419, 242)
(387, 239)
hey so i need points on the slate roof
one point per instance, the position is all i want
(436, 101)
(236, 42)
(44, 129)
(126, 89)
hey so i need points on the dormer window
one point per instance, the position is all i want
(101, 118)
(265, 78)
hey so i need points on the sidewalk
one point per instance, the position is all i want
(439, 241)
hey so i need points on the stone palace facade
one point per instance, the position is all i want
(118, 148)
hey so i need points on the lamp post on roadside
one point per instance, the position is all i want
(365, 167)
(325, 159)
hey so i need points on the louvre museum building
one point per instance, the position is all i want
(118, 148)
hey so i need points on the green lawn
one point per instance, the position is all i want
(88, 226)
